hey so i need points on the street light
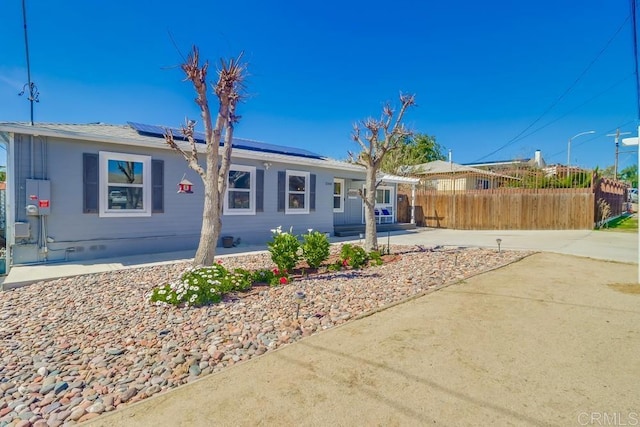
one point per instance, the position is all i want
(569, 146)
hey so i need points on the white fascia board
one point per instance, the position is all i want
(150, 142)
(395, 179)
(62, 134)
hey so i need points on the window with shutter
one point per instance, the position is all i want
(298, 191)
(125, 185)
(240, 196)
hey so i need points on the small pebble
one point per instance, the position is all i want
(81, 346)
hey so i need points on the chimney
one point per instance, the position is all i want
(538, 158)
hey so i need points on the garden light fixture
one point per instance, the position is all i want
(299, 297)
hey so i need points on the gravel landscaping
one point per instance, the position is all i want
(74, 348)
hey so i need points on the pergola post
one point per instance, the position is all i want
(413, 203)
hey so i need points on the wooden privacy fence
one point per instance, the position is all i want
(508, 210)
(532, 200)
(512, 209)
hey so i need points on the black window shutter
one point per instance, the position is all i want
(282, 196)
(89, 183)
(312, 193)
(259, 190)
(157, 186)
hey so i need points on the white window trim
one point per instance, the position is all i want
(391, 195)
(392, 200)
(252, 192)
(341, 208)
(307, 184)
(103, 189)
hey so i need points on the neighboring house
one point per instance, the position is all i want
(90, 191)
(440, 175)
(504, 165)
(563, 170)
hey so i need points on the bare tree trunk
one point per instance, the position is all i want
(381, 138)
(210, 230)
(369, 200)
(214, 178)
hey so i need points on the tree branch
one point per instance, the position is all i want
(191, 161)
(188, 131)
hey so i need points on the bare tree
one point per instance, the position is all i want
(381, 136)
(227, 89)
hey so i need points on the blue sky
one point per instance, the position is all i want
(482, 72)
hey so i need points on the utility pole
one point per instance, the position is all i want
(30, 87)
(617, 141)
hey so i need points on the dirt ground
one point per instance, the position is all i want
(550, 340)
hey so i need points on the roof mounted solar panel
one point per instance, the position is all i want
(244, 144)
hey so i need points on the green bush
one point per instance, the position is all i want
(315, 248)
(353, 256)
(273, 277)
(375, 258)
(284, 249)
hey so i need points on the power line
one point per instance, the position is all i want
(565, 93)
(584, 141)
(613, 86)
(635, 53)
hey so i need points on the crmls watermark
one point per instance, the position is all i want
(609, 419)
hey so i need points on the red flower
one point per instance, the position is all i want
(345, 262)
(276, 271)
(283, 280)
(219, 261)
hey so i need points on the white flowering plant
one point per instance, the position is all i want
(202, 286)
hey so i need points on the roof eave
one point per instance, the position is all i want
(201, 148)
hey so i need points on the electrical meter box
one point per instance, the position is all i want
(38, 197)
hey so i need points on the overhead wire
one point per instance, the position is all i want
(613, 86)
(584, 141)
(563, 95)
(635, 52)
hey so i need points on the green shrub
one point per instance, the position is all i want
(353, 256)
(315, 248)
(375, 258)
(273, 277)
(336, 266)
(284, 249)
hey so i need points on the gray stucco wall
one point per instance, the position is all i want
(80, 236)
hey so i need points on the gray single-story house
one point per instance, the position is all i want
(87, 191)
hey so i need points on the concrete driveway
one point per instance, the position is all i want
(550, 340)
(594, 244)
